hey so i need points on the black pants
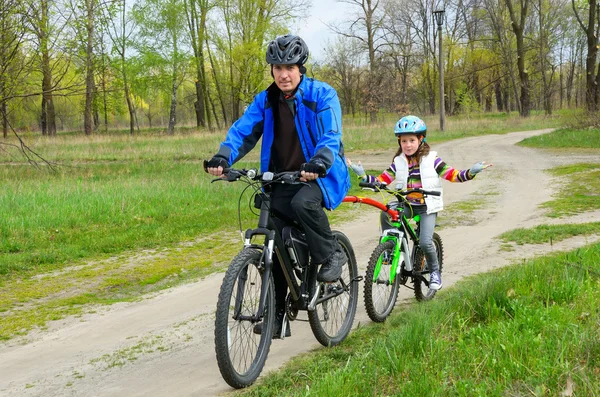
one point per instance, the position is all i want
(304, 205)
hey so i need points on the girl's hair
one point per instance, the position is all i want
(423, 150)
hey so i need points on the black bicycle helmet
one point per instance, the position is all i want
(287, 50)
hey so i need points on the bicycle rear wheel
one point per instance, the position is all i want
(241, 354)
(422, 291)
(380, 293)
(331, 321)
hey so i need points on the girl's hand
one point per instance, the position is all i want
(357, 168)
(477, 168)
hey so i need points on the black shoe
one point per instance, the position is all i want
(332, 269)
(277, 325)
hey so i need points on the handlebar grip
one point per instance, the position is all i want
(375, 186)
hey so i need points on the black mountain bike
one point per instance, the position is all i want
(247, 294)
(398, 257)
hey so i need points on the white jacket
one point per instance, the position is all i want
(429, 178)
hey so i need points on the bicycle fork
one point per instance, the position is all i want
(399, 255)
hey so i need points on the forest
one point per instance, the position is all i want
(90, 66)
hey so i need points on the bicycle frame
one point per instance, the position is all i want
(273, 244)
(400, 228)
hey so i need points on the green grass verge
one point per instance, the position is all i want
(530, 329)
(588, 138)
(550, 233)
(581, 191)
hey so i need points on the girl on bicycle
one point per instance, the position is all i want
(414, 166)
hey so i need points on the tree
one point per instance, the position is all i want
(518, 19)
(11, 59)
(120, 28)
(197, 13)
(44, 25)
(161, 36)
(366, 28)
(399, 38)
(592, 78)
(345, 73)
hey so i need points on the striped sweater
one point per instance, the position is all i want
(414, 176)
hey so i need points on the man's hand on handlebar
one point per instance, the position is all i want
(312, 171)
(215, 166)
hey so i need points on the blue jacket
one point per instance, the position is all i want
(319, 126)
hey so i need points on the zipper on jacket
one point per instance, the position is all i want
(310, 134)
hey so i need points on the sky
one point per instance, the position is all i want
(314, 32)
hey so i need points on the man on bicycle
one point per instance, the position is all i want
(300, 122)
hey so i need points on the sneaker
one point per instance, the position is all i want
(332, 269)
(278, 325)
(435, 281)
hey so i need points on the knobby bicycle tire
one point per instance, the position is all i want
(241, 354)
(381, 295)
(331, 321)
(422, 291)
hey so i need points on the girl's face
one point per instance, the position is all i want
(410, 143)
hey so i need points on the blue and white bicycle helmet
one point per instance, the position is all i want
(410, 125)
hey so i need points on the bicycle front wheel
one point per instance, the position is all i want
(421, 284)
(241, 354)
(331, 321)
(380, 293)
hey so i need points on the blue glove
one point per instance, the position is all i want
(357, 168)
(477, 168)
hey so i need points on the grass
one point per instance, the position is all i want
(118, 216)
(550, 233)
(566, 138)
(529, 329)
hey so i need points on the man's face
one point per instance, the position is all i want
(287, 77)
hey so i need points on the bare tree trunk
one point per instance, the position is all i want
(498, 96)
(173, 109)
(518, 26)
(546, 90)
(197, 27)
(122, 47)
(48, 117)
(4, 109)
(220, 93)
(591, 89)
(89, 65)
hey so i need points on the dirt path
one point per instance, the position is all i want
(163, 345)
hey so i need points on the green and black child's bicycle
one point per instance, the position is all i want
(398, 257)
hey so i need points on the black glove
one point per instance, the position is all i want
(315, 168)
(215, 162)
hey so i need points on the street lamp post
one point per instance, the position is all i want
(439, 19)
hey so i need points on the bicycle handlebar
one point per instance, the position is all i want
(384, 187)
(233, 174)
